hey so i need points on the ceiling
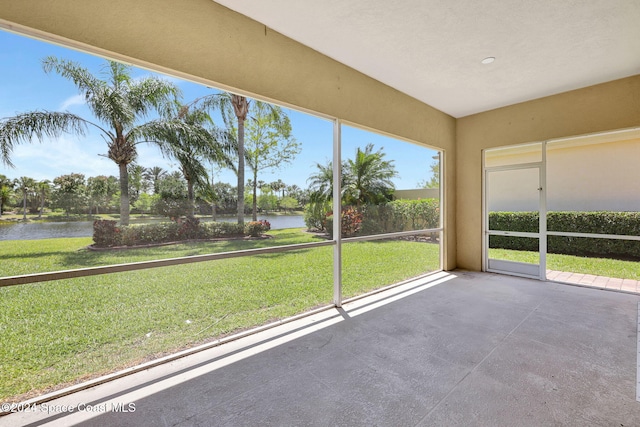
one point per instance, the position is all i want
(432, 49)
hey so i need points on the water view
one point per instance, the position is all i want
(48, 230)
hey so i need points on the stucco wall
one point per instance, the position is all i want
(206, 42)
(418, 193)
(580, 177)
(604, 107)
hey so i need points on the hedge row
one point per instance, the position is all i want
(620, 223)
(400, 215)
(395, 216)
(108, 234)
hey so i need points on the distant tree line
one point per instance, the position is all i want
(152, 191)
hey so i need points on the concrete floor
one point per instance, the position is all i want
(468, 349)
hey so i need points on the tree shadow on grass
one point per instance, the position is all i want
(85, 258)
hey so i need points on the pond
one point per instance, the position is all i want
(47, 230)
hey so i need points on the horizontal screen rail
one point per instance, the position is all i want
(513, 233)
(391, 235)
(591, 235)
(142, 265)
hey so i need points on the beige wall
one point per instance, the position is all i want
(608, 106)
(203, 41)
(597, 177)
(417, 193)
(581, 176)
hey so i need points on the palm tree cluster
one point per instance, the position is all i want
(30, 192)
(120, 106)
(365, 179)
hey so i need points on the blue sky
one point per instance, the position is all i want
(25, 87)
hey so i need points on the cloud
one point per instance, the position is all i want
(61, 156)
(67, 154)
(71, 101)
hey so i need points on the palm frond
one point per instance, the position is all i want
(153, 93)
(36, 125)
(86, 82)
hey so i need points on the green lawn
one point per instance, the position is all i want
(35, 256)
(575, 264)
(56, 333)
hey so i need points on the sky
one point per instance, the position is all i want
(24, 86)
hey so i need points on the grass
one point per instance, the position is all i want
(597, 266)
(35, 256)
(60, 332)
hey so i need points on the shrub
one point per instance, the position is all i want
(351, 220)
(265, 224)
(315, 215)
(627, 223)
(213, 230)
(400, 215)
(106, 233)
(257, 228)
(171, 207)
(189, 228)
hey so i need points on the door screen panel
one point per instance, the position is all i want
(513, 220)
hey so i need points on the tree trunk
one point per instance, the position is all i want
(213, 199)
(24, 207)
(240, 171)
(254, 216)
(41, 206)
(191, 198)
(124, 194)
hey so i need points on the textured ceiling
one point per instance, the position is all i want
(431, 49)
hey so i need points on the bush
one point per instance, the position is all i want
(400, 215)
(171, 207)
(257, 228)
(189, 228)
(351, 220)
(213, 230)
(143, 234)
(627, 223)
(315, 215)
(106, 233)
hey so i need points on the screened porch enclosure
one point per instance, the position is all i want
(566, 209)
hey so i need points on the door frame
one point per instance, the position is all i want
(537, 271)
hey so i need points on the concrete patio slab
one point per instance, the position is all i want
(455, 348)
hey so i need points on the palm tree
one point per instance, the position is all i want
(26, 186)
(137, 183)
(321, 182)
(6, 192)
(369, 177)
(236, 106)
(278, 185)
(43, 189)
(232, 106)
(191, 138)
(153, 175)
(119, 102)
(365, 179)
